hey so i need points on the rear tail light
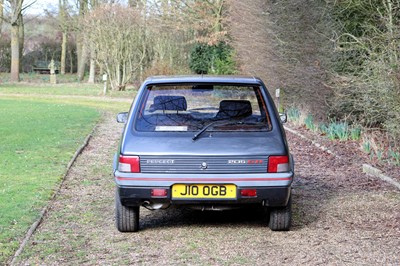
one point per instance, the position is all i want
(129, 164)
(278, 164)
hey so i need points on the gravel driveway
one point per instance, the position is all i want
(341, 217)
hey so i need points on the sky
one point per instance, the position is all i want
(39, 6)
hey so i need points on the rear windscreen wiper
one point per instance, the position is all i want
(221, 122)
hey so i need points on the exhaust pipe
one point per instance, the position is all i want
(155, 206)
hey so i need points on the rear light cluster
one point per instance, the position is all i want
(278, 164)
(129, 164)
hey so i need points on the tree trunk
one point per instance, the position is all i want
(21, 35)
(218, 10)
(64, 28)
(15, 53)
(16, 22)
(119, 76)
(101, 69)
(80, 43)
(63, 52)
(78, 51)
(1, 15)
(71, 62)
(82, 57)
(92, 69)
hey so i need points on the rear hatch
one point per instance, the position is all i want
(213, 153)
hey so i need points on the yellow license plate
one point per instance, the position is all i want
(203, 191)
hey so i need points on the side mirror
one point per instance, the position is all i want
(122, 117)
(283, 117)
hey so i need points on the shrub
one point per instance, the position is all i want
(331, 133)
(293, 114)
(212, 59)
(355, 133)
(367, 147)
(200, 58)
(341, 130)
(367, 83)
(309, 122)
(395, 157)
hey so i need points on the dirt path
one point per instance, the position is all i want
(340, 217)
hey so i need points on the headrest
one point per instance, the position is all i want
(175, 103)
(234, 109)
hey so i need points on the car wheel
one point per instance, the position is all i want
(126, 218)
(280, 219)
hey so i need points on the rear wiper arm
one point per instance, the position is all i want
(197, 135)
(228, 121)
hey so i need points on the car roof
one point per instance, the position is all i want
(204, 79)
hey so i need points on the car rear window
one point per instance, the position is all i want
(191, 107)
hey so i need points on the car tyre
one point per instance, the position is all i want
(126, 218)
(280, 219)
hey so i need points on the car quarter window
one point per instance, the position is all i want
(190, 107)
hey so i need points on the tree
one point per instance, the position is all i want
(135, 3)
(15, 19)
(367, 79)
(92, 67)
(204, 28)
(115, 32)
(206, 18)
(64, 25)
(80, 42)
(170, 41)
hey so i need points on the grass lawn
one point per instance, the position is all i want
(37, 141)
(32, 83)
(81, 89)
(101, 103)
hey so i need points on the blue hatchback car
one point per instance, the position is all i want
(203, 142)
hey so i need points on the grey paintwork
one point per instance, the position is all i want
(210, 143)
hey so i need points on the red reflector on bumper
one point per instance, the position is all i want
(159, 192)
(248, 192)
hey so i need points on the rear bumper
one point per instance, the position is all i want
(266, 196)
